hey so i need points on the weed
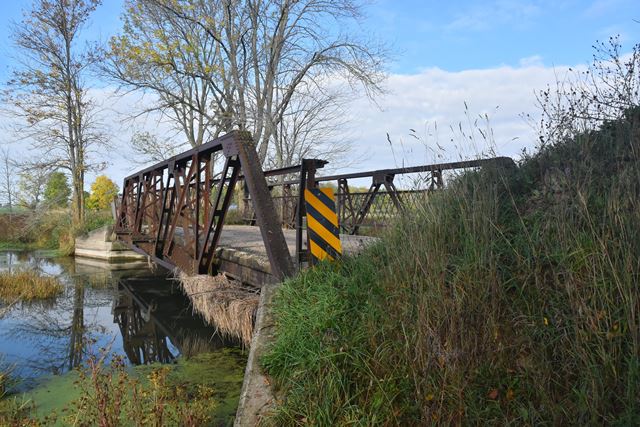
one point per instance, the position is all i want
(113, 397)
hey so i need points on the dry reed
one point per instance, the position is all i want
(27, 286)
(223, 303)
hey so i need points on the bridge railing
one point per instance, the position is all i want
(375, 207)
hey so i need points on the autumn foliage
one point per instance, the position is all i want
(103, 192)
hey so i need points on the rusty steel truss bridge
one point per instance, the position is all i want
(174, 211)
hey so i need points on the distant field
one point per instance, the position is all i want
(16, 210)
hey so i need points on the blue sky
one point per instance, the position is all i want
(451, 35)
(460, 35)
(491, 56)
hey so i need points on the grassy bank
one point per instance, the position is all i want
(4, 382)
(510, 298)
(47, 229)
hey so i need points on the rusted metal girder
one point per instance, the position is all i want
(174, 211)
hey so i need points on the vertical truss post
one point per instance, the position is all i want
(196, 219)
(138, 208)
(393, 192)
(167, 209)
(346, 211)
(377, 181)
(272, 235)
(218, 212)
(300, 254)
(247, 213)
(122, 212)
(287, 216)
(436, 179)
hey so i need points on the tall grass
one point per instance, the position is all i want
(510, 298)
(48, 229)
(4, 382)
(27, 285)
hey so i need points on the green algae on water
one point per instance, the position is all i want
(222, 371)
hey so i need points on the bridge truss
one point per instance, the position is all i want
(175, 210)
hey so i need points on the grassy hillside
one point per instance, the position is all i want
(510, 298)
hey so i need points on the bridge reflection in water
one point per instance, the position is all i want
(157, 323)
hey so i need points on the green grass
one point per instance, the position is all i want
(16, 246)
(48, 230)
(511, 298)
(4, 382)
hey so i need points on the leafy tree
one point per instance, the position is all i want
(103, 191)
(150, 148)
(57, 191)
(31, 187)
(48, 92)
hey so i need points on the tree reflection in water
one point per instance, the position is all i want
(144, 317)
(52, 336)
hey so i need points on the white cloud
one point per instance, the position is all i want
(433, 102)
(446, 108)
(531, 61)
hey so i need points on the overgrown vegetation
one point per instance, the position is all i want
(510, 298)
(27, 285)
(110, 395)
(4, 382)
(48, 229)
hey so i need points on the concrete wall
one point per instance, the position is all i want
(100, 244)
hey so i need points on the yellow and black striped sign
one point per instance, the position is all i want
(322, 224)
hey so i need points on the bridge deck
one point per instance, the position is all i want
(248, 239)
(242, 255)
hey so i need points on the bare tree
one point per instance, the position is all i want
(248, 59)
(314, 126)
(8, 176)
(586, 98)
(48, 92)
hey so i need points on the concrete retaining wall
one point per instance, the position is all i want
(100, 244)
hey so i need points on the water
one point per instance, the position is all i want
(138, 314)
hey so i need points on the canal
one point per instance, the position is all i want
(140, 315)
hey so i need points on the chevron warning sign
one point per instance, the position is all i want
(322, 224)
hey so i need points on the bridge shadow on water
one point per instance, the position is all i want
(157, 323)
